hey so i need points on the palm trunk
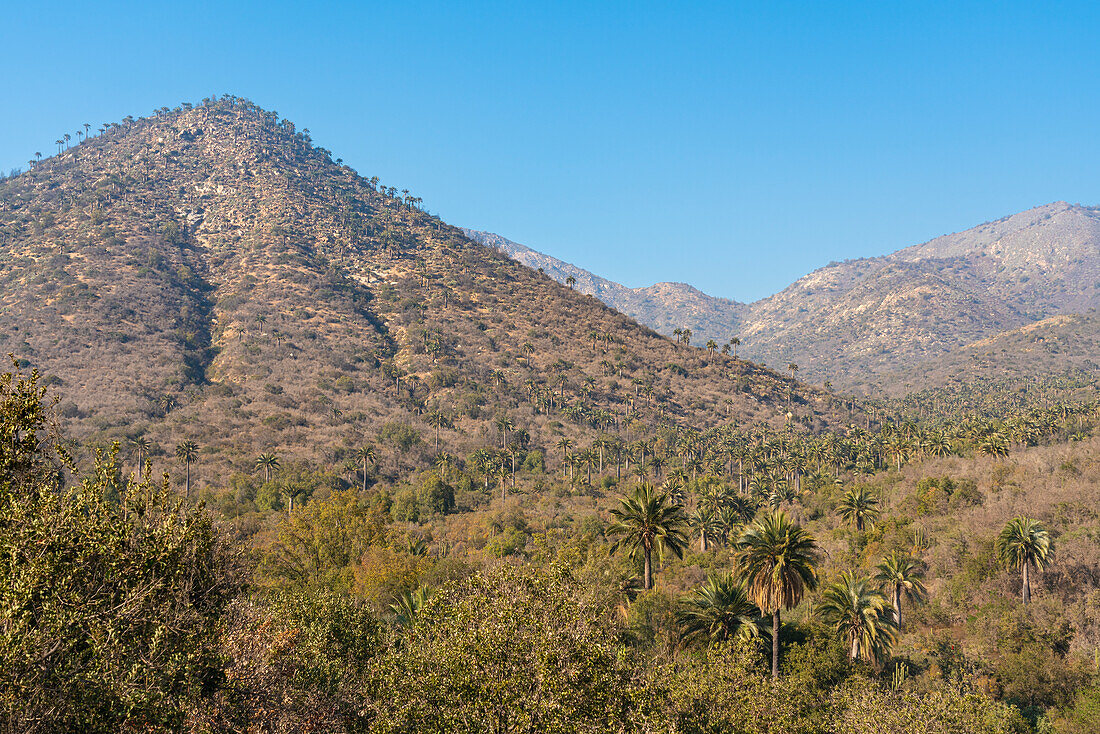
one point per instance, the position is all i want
(897, 606)
(775, 645)
(647, 580)
(854, 654)
(187, 492)
(1026, 590)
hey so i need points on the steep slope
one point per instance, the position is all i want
(855, 321)
(664, 307)
(209, 274)
(1067, 344)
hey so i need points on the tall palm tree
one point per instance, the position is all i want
(187, 452)
(649, 523)
(268, 462)
(718, 610)
(777, 559)
(902, 575)
(363, 455)
(859, 505)
(1024, 543)
(141, 445)
(861, 615)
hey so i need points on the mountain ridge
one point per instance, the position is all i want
(210, 273)
(850, 321)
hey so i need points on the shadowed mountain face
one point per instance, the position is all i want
(856, 321)
(210, 273)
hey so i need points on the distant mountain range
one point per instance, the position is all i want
(860, 323)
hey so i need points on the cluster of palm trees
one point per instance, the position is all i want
(776, 567)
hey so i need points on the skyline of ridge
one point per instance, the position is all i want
(729, 146)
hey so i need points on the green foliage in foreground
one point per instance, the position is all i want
(123, 610)
(111, 592)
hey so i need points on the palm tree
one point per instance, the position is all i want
(570, 281)
(718, 610)
(1023, 543)
(859, 505)
(861, 615)
(482, 460)
(267, 462)
(565, 444)
(364, 454)
(504, 424)
(187, 452)
(439, 420)
(408, 606)
(142, 445)
(777, 557)
(902, 575)
(649, 523)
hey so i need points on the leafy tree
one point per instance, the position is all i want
(860, 615)
(111, 591)
(649, 523)
(317, 546)
(777, 558)
(509, 650)
(1024, 543)
(718, 610)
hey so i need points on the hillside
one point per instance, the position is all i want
(856, 322)
(210, 274)
(663, 307)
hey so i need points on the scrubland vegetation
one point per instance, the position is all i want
(281, 451)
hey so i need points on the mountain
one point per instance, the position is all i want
(664, 307)
(857, 321)
(1068, 344)
(208, 273)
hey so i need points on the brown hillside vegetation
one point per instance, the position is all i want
(209, 274)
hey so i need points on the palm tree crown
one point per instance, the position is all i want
(1023, 543)
(649, 523)
(861, 615)
(902, 575)
(859, 505)
(777, 559)
(718, 610)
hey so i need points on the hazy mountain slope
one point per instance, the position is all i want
(208, 273)
(1060, 344)
(854, 321)
(662, 306)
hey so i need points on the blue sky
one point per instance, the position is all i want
(733, 146)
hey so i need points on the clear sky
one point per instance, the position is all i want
(735, 146)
